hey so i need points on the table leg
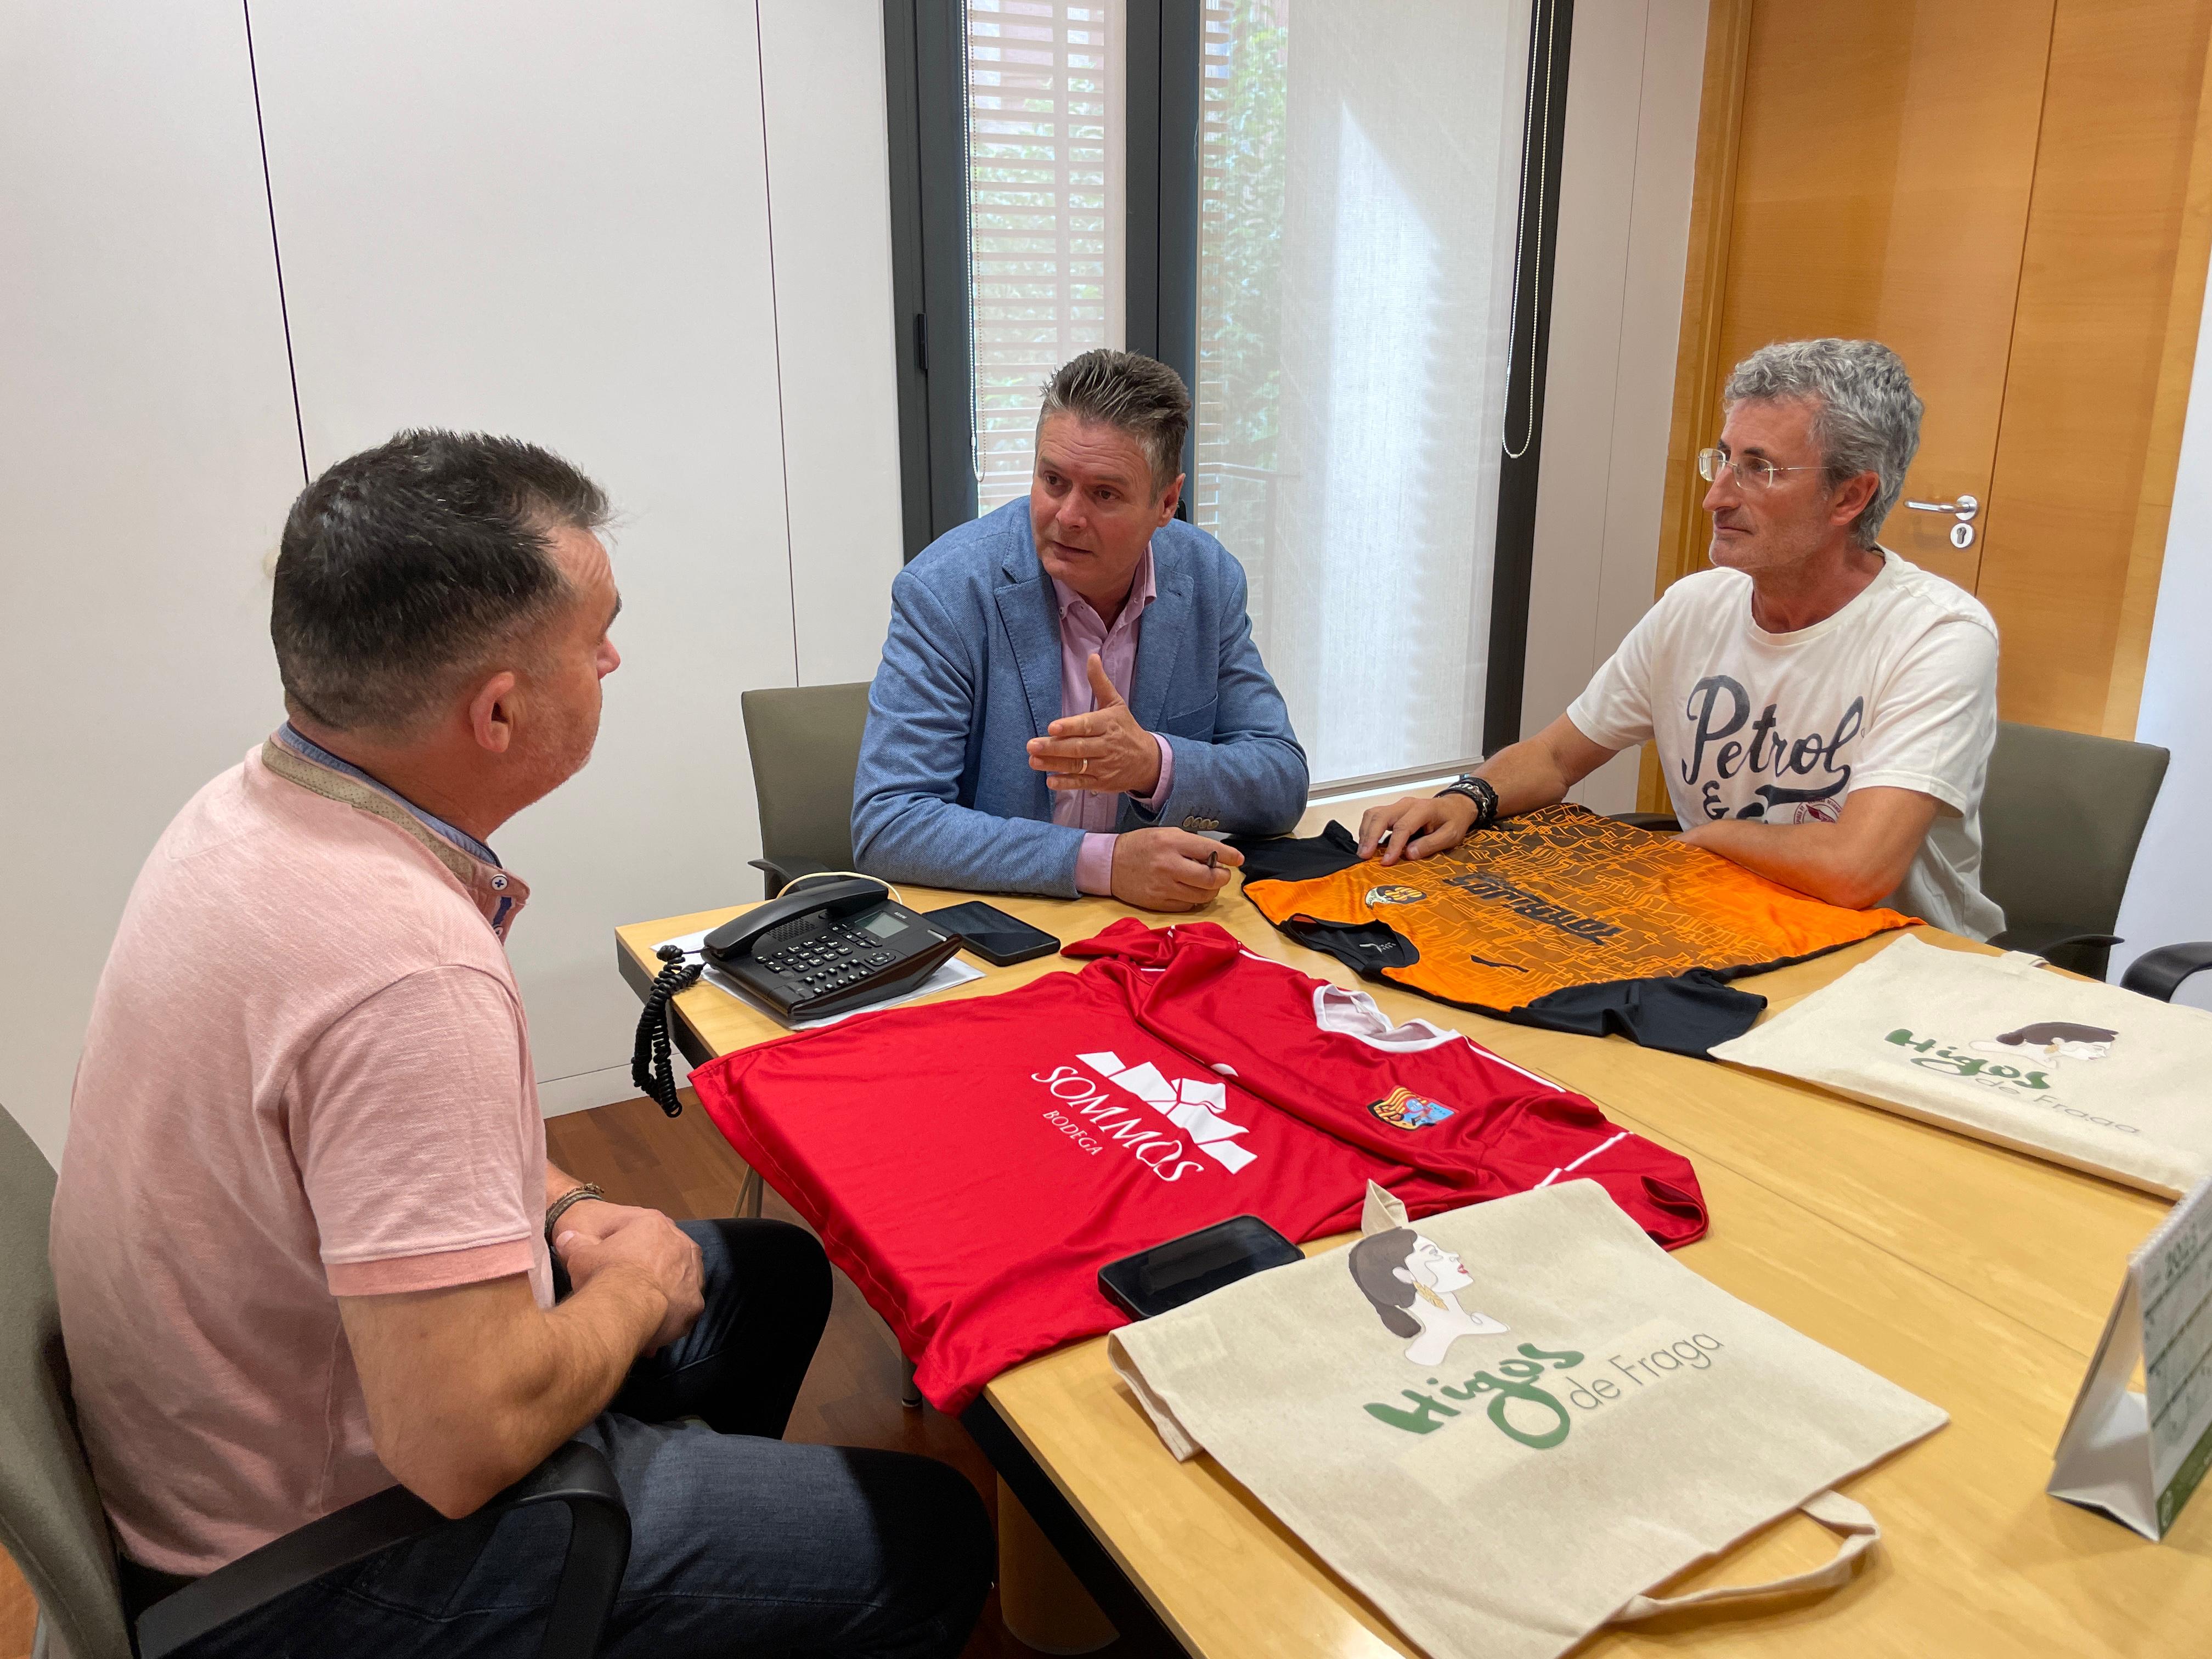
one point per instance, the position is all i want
(748, 1195)
(1043, 1604)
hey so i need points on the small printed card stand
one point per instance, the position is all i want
(2138, 1456)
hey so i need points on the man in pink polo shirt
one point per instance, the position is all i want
(302, 1236)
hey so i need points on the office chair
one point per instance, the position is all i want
(52, 1523)
(2062, 815)
(805, 747)
(2159, 973)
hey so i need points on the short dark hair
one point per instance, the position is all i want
(1139, 396)
(404, 567)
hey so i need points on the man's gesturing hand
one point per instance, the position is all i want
(1417, 826)
(1167, 869)
(620, 1239)
(1105, 750)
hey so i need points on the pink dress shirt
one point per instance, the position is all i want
(1082, 631)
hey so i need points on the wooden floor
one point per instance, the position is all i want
(18, 1612)
(851, 1398)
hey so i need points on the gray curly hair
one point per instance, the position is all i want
(1866, 416)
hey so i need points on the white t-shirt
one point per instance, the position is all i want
(1898, 689)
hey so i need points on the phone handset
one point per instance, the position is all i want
(735, 939)
(652, 1066)
(831, 942)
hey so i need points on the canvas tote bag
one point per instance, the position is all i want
(1504, 1423)
(2082, 1073)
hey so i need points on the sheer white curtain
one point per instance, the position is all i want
(1359, 193)
(1046, 210)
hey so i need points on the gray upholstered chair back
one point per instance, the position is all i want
(2060, 819)
(805, 745)
(50, 1517)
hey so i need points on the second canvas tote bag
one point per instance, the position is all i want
(2009, 1050)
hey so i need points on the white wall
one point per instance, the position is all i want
(2169, 897)
(1632, 94)
(622, 232)
(829, 204)
(147, 455)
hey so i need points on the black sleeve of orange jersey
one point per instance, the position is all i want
(1685, 1015)
(1293, 858)
(1366, 947)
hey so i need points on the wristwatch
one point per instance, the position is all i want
(1478, 791)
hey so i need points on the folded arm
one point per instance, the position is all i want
(1856, 862)
(469, 1387)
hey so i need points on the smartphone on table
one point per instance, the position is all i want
(1184, 1269)
(992, 934)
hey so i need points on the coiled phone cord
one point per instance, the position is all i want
(650, 1066)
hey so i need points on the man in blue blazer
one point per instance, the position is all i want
(1069, 691)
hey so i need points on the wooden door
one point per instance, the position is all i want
(2017, 195)
(1882, 192)
(2103, 341)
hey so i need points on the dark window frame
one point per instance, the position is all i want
(924, 62)
(1164, 95)
(1513, 557)
(924, 54)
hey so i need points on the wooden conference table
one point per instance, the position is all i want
(1977, 1277)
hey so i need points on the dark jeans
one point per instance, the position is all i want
(740, 1545)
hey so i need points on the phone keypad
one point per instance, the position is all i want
(829, 961)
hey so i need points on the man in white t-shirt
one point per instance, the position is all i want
(1824, 711)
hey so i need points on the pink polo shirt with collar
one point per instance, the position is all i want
(306, 1076)
(1083, 631)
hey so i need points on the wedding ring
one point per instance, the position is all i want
(1085, 769)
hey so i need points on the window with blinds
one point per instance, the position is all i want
(1357, 198)
(1333, 190)
(1044, 111)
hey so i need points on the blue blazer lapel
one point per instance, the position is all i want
(1162, 638)
(1025, 599)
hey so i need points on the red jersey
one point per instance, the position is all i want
(973, 1164)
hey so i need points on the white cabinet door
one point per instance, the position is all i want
(147, 456)
(550, 219)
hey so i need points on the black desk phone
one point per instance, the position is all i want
(827, 946)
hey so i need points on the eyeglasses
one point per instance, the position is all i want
(1753, 472)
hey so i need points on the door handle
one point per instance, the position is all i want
(1966, 507)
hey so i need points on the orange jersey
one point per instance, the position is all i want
(1542, 904)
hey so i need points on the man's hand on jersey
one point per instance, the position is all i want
(1416, 827)
(1168, 870)
(1105, 750)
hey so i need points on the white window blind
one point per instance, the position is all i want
(1359, 175)
(1045, 212)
